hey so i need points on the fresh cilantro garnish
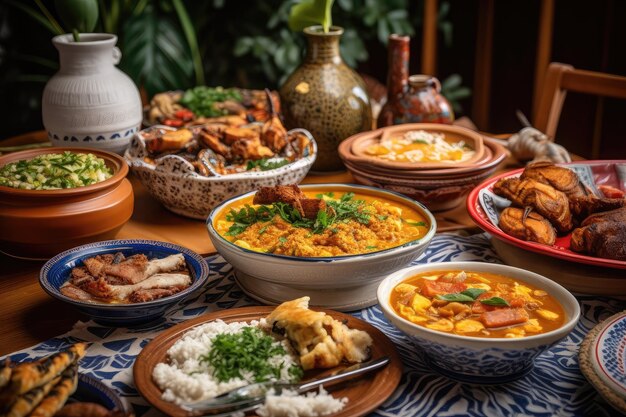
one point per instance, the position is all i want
(342, 210)
(248, 351)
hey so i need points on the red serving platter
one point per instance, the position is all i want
(604, 173)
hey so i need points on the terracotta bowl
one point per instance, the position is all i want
(444, 190)
(494, 154)
(37, 224)
(358, 146)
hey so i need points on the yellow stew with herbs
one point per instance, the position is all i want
(477, 304)
(349, 224)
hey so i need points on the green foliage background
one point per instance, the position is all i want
(177, 44)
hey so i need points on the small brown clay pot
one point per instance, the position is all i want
(326, 97)
(37, 224)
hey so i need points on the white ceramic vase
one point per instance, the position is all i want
(89, 102)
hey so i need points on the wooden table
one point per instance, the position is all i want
(28, 315)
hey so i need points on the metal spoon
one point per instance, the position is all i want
(251, 396)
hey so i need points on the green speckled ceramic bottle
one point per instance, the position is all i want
(326, 97)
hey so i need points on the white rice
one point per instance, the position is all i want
(185, 378)
(290, 404)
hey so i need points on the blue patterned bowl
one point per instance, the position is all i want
(57, 270)
(344, 283)
(474, 359)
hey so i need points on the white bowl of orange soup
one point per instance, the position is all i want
(339, 267)
(478, 322)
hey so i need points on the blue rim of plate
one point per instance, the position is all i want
(428, 236)
(92, 390)
(108, 246)
(609, 354)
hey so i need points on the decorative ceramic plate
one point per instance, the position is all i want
(91, 390)
(603, 359)
(484, 206)
(364, 394)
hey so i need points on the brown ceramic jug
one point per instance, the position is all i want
(326, 97)
(397, 78)
(414, 99)
(423, 102)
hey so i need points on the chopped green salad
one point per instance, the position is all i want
(55, 171)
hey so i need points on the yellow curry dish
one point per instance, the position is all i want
(477, 304)
(284, 220)
(420, 146)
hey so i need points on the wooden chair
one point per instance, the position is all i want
(561, 78)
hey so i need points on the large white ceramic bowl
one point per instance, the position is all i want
(175, 183)
(341, 283)
(474, 359)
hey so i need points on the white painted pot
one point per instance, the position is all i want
(89, 102)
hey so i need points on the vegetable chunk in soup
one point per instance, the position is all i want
(287, 221)
(477, 304)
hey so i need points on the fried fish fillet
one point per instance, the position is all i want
(59, 393)
(546, 200)
(533, 227)
(27, 376)
(562, 179)
(27, 402)
(320, 340)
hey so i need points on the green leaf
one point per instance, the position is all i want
(80, 15)
(453, 81)
(309, 13)
(156, 55)
(458, 297)
(495, 301)
(473, 292)
(242, 46)
(42, 18)
(192, 40)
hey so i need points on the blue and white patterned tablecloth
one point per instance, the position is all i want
(555, 387)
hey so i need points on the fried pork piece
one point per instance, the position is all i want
(320, 340)
(532, 227)
(546, 200)
(612, 216)
(131, 270)
(312, 206)
(212, 141)
(562, 179)
(604, 239)
(292, 195)
(582, 207)
(102, 289)
(250, 149)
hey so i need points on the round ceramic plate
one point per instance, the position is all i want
(91, 390)
(561, 247)
(364, 394)
(603, 359)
